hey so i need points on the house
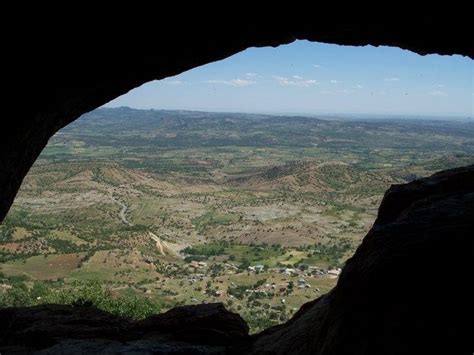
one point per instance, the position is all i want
(335, 272)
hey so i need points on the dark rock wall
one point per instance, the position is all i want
(61, 64)
(60, 329)
(407, 288)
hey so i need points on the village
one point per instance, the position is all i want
(272, 283)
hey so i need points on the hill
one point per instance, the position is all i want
(162, 208)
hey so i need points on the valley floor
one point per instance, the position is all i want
(135, 228)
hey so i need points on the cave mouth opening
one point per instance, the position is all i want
(140, 210)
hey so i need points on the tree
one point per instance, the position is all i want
(244, 264)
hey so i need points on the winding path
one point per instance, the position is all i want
(159, 246)
(122, 212)
(164, 247)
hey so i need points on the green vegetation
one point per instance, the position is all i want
(90, 293)
(139, 211)
(212, 218)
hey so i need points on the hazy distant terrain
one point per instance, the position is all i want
(175, 207)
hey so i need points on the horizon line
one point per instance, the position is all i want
(296, 113)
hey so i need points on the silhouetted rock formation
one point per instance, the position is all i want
(407, 290)
(198, 329)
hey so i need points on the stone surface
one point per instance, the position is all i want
(197, 329)
(40, 327)
(407, 290)
(69, 62)
(203, 324)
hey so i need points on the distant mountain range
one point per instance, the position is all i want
(163, 128)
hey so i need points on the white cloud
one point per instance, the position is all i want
(440, 86)
(295, 81)
(391, 79)
(437, 93)
(251, 74)
(358, 86)
(346, 91)
(175, 82)
(327, 92)
(334, 81)
(233, 82)
(317, 66)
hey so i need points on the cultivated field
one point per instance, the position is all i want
(138, 211)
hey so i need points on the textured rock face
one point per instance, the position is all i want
(199, 329)
(40, 327)
(64, 66)
(407, 290)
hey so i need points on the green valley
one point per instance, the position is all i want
(138, 211)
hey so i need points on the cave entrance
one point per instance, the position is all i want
(247, 181)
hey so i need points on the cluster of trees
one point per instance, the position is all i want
(79, 294)
(239, 291)
(205, 250)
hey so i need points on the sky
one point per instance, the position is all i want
(315, 78)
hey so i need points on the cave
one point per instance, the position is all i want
(426, 225)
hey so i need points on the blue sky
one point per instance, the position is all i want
(314, 78)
